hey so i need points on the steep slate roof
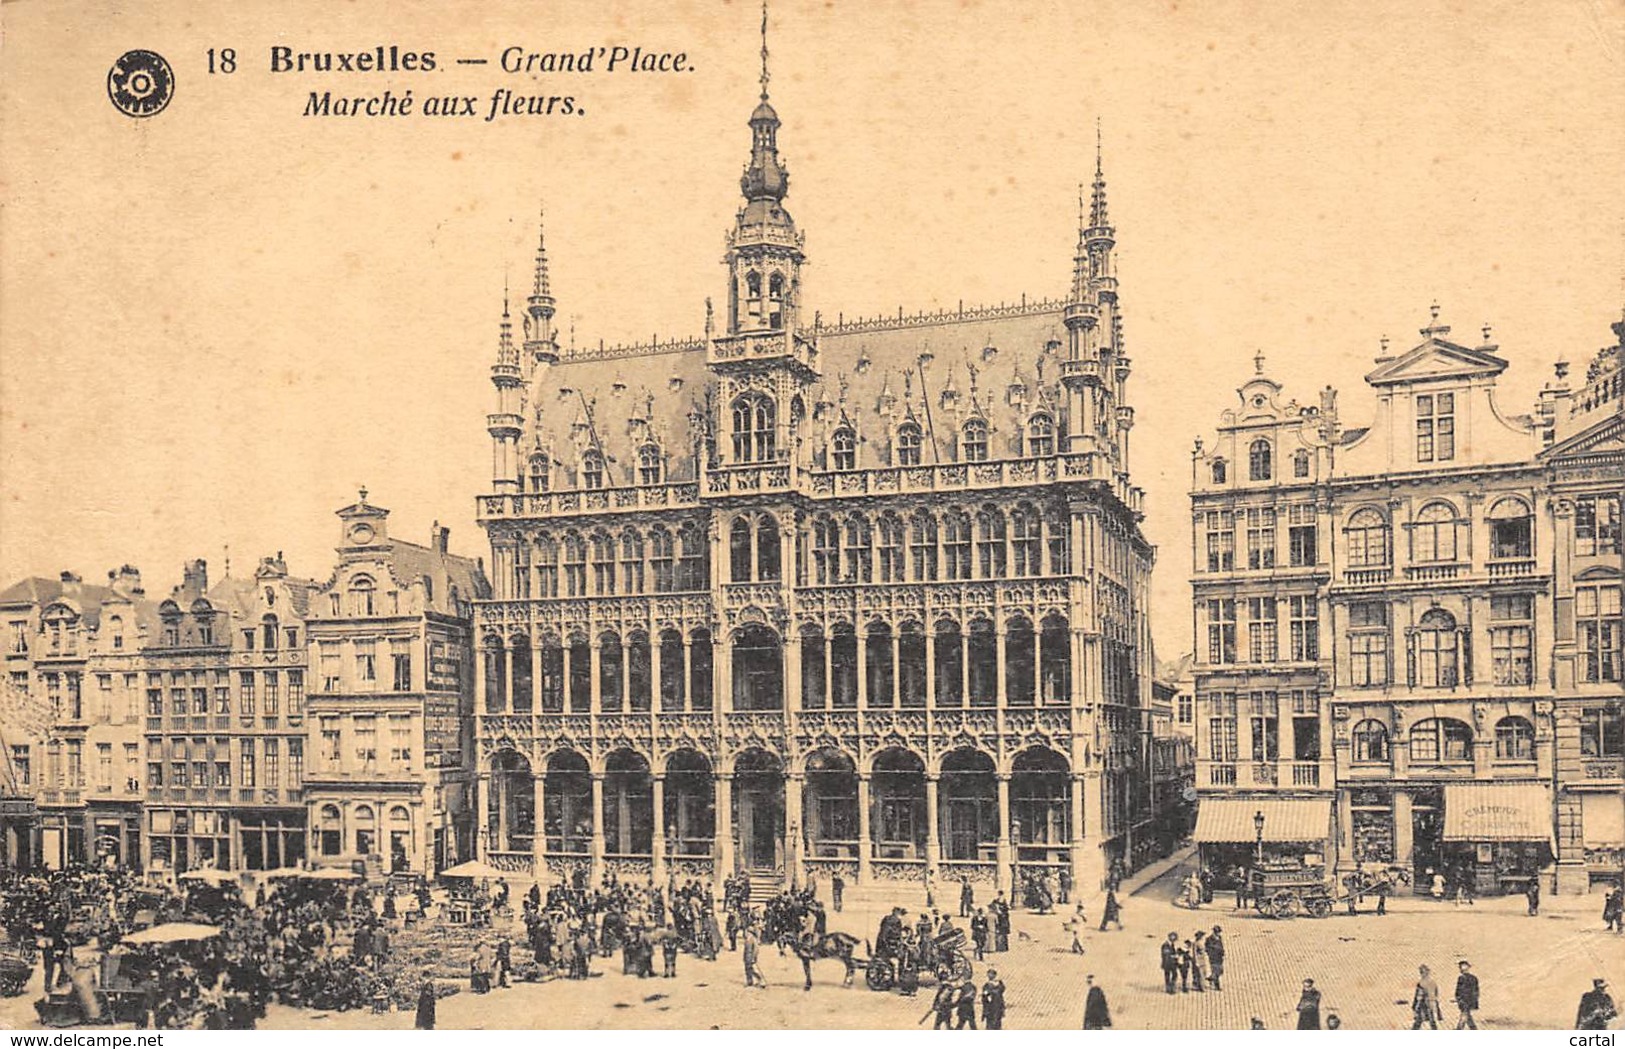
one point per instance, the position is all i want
(410, 562)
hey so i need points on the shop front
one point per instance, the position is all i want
(1235, 835)
(1495, 837)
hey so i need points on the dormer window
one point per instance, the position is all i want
(908, 445)
(362, 593)
(649, 470)
(1219, 471)
(974, 438)
(268, 633)
(592, 469)
(540, 467)
(845, 449)
(1260, 461)
(1041, 434)
(1435, 427)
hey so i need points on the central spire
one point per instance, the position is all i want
(765, 76)
(765, 178)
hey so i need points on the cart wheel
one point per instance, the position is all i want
(1284, 904)
(879, 976)
(1319, 907)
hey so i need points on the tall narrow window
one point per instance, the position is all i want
(754, 417)
(1220, 471)
(592, 469)
(1437, 650)
(974, 441)
(1367, 539)
(923, 546)
(769, 555)
(908, 444)
(540, 467)
(845, 449)
(1511, 638)
(891, 548)
(603, 563)
(1303, 620)
(1368, 644)
(826, 551)
(1260, 461)
(857, 556)
(990, 528)
(1221, 630)
(649, 465)
(1596, 526)
(1221, 541)
(1597, 622)
(1026, 540)
(956, 554)
(753, 299)
(739, 559)
(775, 301)
(1260, 538)
(1263, 641)
(547, 567)
(661, 560)
(1435, 427)
(1511, 530)
(631, 562)
(575, 565)
(1300, 463)
(1041, 434)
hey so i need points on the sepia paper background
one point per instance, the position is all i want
(216, 322)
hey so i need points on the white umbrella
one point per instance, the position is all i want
(473, 869)
(280, 872)
(173, 932)
(328, 874)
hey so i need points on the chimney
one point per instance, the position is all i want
(71, 583)
(440, 538)
(126, 581)
(195, 576)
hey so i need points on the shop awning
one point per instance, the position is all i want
(1497, 812)
(1285, 819)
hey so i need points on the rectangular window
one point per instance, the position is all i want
(19, 637)
(248, 639)
(400, 741)
(296, 762)
(155, 774)
(1512, 638)
(222, 774)
(177, 701)
(155, 702)
(1183, 708)
(366, 742)
(332, 668)
(1368, 644)
(179, 774)
(246, 775)
(1435, 427)
(132, 768)
(330, 742)
(1263, 641)
(200, 700)
(104, 767)
(200, 773)
(296, 693)
(1260, 538)
(1265, 711)
(1303, 548)
(1221, 541)
(20, 764)
(1602, 732)
(273, 763)
(1221, 630)
(222, 699)
(366, 665)
(272, 694)
(400, 654)
(1597, 622)
(1596, 526)
(1304, 622)
(245, 693)
(1222, 726)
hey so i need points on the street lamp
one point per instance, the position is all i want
(1258, 830)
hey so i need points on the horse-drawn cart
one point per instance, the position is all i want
(951, 961)
(1286, 892)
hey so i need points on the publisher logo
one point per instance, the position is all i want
(140, 83)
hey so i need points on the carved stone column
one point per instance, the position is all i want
(657, 844)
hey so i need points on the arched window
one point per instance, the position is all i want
(610, 658)
(662, 560)
(753, 299)
(775, 300)
(540, 466)
(1026, 540)
(575, 565)
(1441, 741)
(739, 550)
(1219, 471)
(922, 538)
(857, 554)
(1300, 463)
(1041, 434)
(753, 418)
(845, 448)
(1433, 536)
(956, 544)
(1260, 462)
(891, 548)
(693, 572)
(1371, 742)
(649, 465)
(1514, 740)
(603, 563)
(547, 567)
(592, 469)
(362, 593)
(268, 633)
(973, 448)
(1438, 660)
(631, 562)
(758, 670)
(826, 551)
(950, 672)
(880, 673)
(908, 444)
(1511, 530)
(1367, 539)
(768, 553)
(990, 541)
(1055, 662)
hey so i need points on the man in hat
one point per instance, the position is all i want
(1425, 1001)
(1215, 957)
(1096, 1015)
(1466, 996)
(993, 1002)
(1596, 1008)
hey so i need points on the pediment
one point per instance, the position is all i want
(1437, 359)
(1596, 572)
(1608, 435)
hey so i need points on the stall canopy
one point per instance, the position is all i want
(1497, 812)
(1285, 819)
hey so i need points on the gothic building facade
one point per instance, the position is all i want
(806, 599)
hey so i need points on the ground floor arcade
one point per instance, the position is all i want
(892, 817)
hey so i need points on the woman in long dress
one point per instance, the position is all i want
(427, 997)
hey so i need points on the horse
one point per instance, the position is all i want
(836, 946)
